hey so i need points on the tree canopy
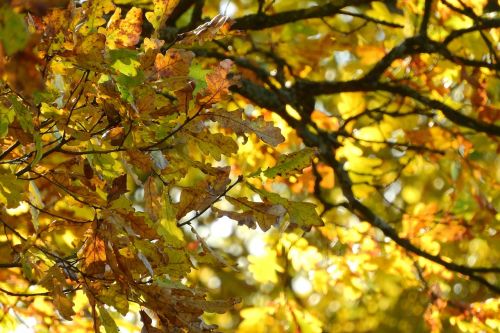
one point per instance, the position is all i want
(249, 166)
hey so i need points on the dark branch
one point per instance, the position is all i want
(371, 19)
(325, 88)
(179, 10)
(326, 143)
(451, 114)
(262, 21)
(425, 19)
(484, 24)
(10, 265)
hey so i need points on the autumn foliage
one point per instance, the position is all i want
(265, 166)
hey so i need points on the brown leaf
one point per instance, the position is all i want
(89, 51)
(215, 28)
(63, 304)
(175, 63)
(152, 199)
(148, 324)
(215, 144)
(23, 74)
(55, 281)
(261, 213)
(180, 307)
(218, 83)
(235, 121)
(195, 198)
(205, 193)
(87, 169)
(116, 136)
(140, 160)
(94, 255)
(118, 187)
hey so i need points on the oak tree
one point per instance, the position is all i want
(249, 166)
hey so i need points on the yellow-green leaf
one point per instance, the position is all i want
(14, 33)
(107, 321)
(291, 164)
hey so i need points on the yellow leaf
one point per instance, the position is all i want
(370, 54)
(123, 33)
(351, 104)
(161, 11)
(265, 268)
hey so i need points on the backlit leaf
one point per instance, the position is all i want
(173, 64)
(291, 164)
(218, 83)
(123, 33)
(301, 214)
(263, 214)
(11, 189)
(235, 121)
(107, 321)
(161, 11)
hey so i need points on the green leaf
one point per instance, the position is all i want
(11, 190)
(124, 61)
(107, 321)
(291, 164)
(6, 117)
(179, 263)
(215, 145)
(198, 73)
(14, 33)
(455, 170)
(23, 115)
(161, 11)
(38, 148)
(104, 164)
(113, 296)
(301, 214)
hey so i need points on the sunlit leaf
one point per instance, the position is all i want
(123, 33)
(161, 11)
(234, 120)
(291, 164)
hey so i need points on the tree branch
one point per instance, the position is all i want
(484, 24)
(326, 144)
(371, 19)
(425, 19)
(178, 11)
(324, 88)
(10, 265)
(261, 21)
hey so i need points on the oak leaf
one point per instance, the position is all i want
(291, 164)
(235, 121)
(123, 33)
(262, 213)
(218, 83)
(214, 29)
(174, 63)
(161, 11)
